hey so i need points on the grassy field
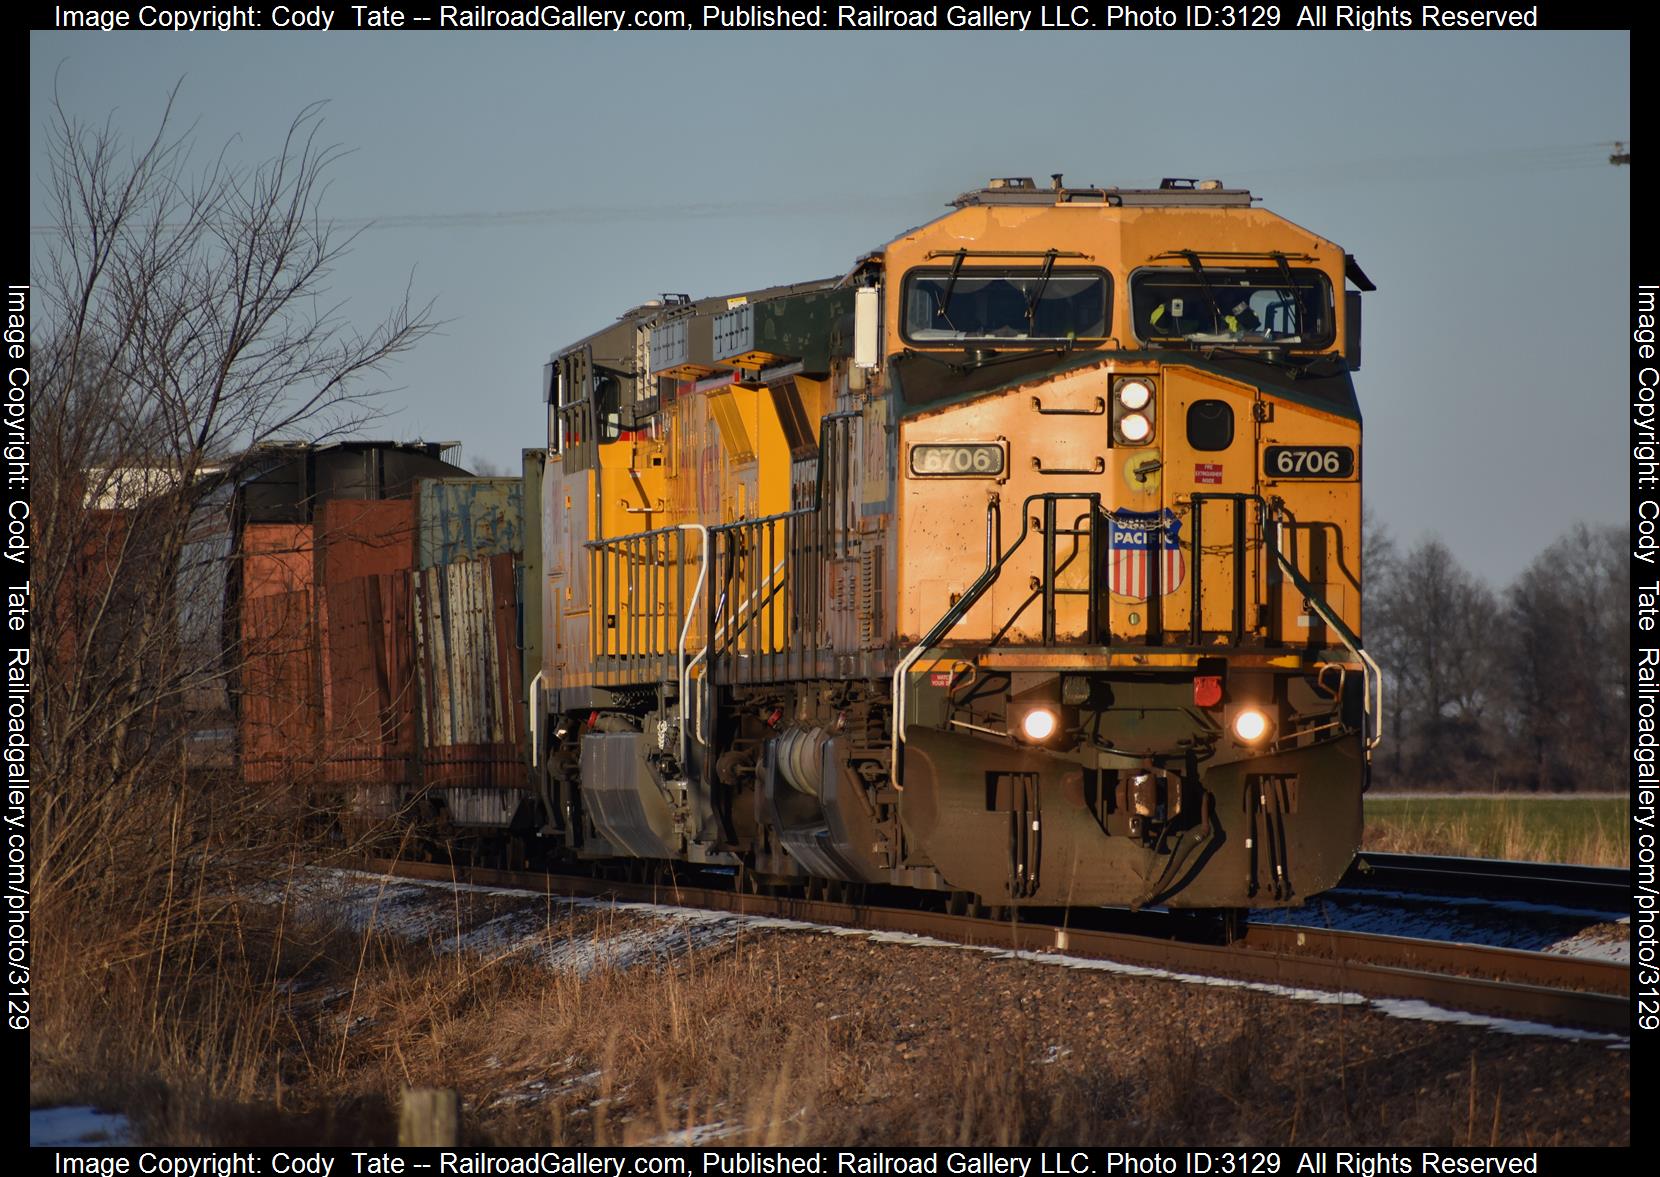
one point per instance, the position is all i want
(1591, 830)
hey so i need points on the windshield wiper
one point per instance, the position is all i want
(1289, 290)
(1204, 284)
(950, 285)
(1037, 294)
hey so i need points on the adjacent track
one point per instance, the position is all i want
(1533, 986)
(1591, 888)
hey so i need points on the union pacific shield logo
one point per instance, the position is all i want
(1136, 534)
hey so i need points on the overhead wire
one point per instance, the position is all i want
(1462, 165)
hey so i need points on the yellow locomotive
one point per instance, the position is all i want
(1021, 562)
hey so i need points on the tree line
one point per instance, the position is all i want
(1523, 688)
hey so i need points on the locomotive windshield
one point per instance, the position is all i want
(1002, 305)
(1221, 306)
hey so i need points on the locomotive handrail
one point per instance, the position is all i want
(725, 635)
(1099, 410)
(684, 668)
(996, 561)
(1046, 589)
(959, 610)
(739, 524)
(753, 602)
(607, 540)
(686, 628)
(725, 628)
(1099, 467)
(535, 732)
(1371, 673)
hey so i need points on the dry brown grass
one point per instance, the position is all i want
(159, 990)
(180, 981)
(295, 1024)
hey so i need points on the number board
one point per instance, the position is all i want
(1308, 461)
(957, 461)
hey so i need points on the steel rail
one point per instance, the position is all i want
(1598, 888)
(1498, 982)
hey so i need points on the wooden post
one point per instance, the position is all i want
(430, 1118)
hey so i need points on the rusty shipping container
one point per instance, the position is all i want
(467, 645)
(365, 553)
(319, 610)
(279, 717)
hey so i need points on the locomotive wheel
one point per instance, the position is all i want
(1226, 925)
(1234, 921)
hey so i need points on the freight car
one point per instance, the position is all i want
(371, 604)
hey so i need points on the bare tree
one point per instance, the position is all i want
(1437, 630)
(486, 468)
(183, 318)
(1567, 662)
(1528, 689)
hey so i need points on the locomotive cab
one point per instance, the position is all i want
(1168, 585)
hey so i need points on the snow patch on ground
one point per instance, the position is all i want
(697, 1134)
(416, 910)
(1602, 942)
(68, 1127)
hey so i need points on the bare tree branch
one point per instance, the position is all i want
(183, 320)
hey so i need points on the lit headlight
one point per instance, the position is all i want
(1039, 724)
(1134, 394)
(1135, 427)
(1251, 726)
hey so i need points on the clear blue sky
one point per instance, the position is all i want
(1464, 170)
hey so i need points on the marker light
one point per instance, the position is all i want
(1135, 427)
(1039, 724)
(1250, 725)
(1134, 394)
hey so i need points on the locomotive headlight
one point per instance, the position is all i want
(1251, 725)
(1135, 394)
(1134, 427)
(1039, 724)
(1133, 407)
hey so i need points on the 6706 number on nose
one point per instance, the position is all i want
(1308, 461)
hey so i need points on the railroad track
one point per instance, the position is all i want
(1591, 888)
(1505, 983)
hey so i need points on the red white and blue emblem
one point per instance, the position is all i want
(1134, 535)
